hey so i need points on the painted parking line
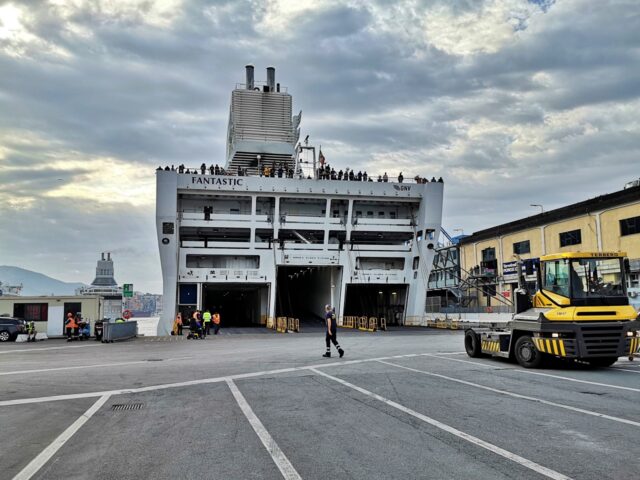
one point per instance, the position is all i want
(279, 458)
(531, 465)
(517, 395)
(36, 350)
(43, 457)
(518, 370)
(76, 367)
(190, 383)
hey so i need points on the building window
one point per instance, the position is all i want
(574, 237)
(488, 290)
(520, 248)
(31, 311)
(488, 254)
(489, 263)
(629, 226)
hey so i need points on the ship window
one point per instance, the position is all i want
(167, 228)
(574, 237)
(381, 214)
(369, 214)
(629, 226)
(416, 262)
(336, 213)
(392, 214)
(358, 214)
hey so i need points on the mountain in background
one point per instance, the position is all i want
(35, 283)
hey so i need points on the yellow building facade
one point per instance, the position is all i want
(606, 223)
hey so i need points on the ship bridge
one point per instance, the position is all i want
(262, 131)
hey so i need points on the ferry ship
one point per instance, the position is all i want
(275, 232)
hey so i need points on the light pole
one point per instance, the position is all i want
(537, 205)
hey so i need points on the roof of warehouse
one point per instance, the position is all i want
(570, 211)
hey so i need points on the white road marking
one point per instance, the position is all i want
(39, 370)
(486, 365)
(517, 395)
(35, 350)
(279, 458)
(37, 463)
(547, 472)
(517, 370)
(53, 398)
(625, 370)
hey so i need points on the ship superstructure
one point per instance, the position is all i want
(256, 247)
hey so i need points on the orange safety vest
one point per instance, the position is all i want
(71, 323)
(216, 318)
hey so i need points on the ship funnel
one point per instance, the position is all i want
(249, 72)
(102, 255)
(108, 255)
(271, 79)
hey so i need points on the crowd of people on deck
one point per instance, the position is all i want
(325, 172)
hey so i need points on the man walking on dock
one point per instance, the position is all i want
(332, 332)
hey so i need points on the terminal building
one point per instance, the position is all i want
(255, 245)
(608, 223)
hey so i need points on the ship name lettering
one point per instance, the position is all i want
(226, 182)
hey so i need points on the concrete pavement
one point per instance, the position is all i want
(401, 404)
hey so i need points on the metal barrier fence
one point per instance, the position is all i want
(119, 331)
(366, 324)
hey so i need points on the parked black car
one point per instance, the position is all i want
(10, 328)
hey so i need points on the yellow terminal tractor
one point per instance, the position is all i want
(580, 311)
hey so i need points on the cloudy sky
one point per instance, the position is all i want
(513, 102)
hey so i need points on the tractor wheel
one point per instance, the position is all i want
(472, 344)
(526, 353)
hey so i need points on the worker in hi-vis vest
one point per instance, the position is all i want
(71, 327)
(216, 323)
(206, 317)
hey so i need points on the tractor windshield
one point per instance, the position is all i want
(596, 278)
(587, 281)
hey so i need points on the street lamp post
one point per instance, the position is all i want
(537, 205)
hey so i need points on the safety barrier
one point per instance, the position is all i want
(119, 331)
(293, 325)
(366, 324)
(284, 324)
(270, 323)
(281, 324)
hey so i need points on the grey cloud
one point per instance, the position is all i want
(150, 95)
